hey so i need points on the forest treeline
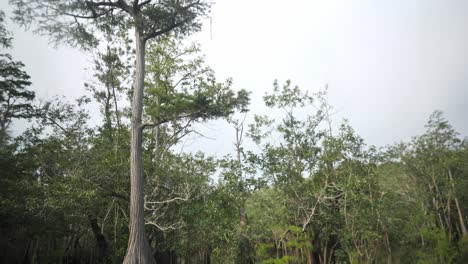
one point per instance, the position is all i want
(297, 189)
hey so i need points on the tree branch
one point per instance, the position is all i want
(174, 226)
(144, 3)
(175, 24)
(164, 30)
(92, 6)
(165, 120)
(94, 16)
(175, 199)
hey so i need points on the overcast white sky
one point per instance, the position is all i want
(388, 64)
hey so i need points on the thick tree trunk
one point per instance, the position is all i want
(138, 250)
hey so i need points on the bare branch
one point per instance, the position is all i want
(174, 226)
(175, 199)
(309, 218)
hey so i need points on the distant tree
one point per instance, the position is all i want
(180, 91)
(111, 74)
(77, 23)
(15, 99)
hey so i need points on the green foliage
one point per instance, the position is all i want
(463, 247)
(77, 22)
(180, 86)
(439, 248)
(287, 96)
(311, 195)
(304, 194)
(15, 99)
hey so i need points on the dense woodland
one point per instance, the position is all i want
(297, 189)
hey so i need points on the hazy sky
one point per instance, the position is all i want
(388, 64)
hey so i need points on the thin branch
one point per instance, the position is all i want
(143, 3)
(168, 29)
(175, 199)
(57, 125)
(182, 79)
(165, 120)
(309, 218)
(174, 226)
(174, 135)
(93, 16)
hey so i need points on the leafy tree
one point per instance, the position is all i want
(76, 22)
(181, 91)
(15, 99)
(181, 88)
(434, 159)
(326, 185)
(313, 193)
(111, 74)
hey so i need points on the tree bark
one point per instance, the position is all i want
(460, 214)
(139, 250)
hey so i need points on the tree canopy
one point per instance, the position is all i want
(77, 22)
(15, 98)
(297, 187)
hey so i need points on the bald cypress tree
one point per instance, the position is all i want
(79, 23)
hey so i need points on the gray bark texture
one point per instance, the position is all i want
(139, 250)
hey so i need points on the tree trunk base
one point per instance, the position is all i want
(139, 254)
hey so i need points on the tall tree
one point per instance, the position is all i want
(111, 75)
(15, 99)
(76, 22)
